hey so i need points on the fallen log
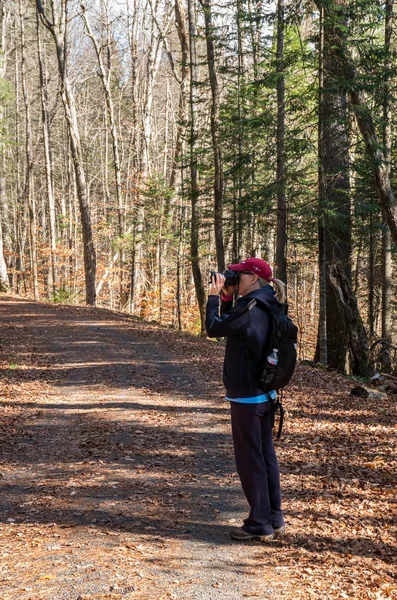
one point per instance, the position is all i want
(389, 376)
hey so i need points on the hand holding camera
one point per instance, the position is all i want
(216, 282)
(226, 282)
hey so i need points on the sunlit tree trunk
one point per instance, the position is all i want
(4, 283)
(238, 212)
(47, 155)
(183, 34)
(215, 134)
(57, 25)
(28, 190)
(194, 188)
(105, 71)
(281, 247)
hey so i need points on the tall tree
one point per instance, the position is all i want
(28, 193)
(335, 175)
(43, 76)
(365, 121)
(4, 283)
(215, 133)
(321, 352)
(281, 248)
(194, 187)
(387, 139)
(105, 71)
(183, 35)
(57, 25)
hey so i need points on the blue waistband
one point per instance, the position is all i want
(255, 399)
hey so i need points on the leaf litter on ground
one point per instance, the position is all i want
(107, 472)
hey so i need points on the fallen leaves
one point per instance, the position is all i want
(117, 476)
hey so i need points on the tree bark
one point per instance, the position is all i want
(194, 188)
(105, 75)
(321, 351)
(387, 266)
(57, 27)
(183, 35)
(4, 283)
(238, 210)
(47, 155)
(281, 245)
(386, 198)
(371, 278)
(28, 190)
(336, 215)
(105, 72)
(352, 322)
(215, 134)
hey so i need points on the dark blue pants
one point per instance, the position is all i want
(257, 465)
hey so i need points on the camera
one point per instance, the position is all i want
(231, 277)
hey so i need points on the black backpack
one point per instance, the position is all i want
(283, 337)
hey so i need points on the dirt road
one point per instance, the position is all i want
(118, 478)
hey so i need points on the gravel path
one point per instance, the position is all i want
(118, 479)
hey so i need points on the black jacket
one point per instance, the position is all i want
(250, 328)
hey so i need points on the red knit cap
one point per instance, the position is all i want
(254, 265)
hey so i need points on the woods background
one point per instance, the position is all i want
(144, 142)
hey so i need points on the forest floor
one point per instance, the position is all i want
(118, 481)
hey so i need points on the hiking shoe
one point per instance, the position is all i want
(279, 531)
(239, 535)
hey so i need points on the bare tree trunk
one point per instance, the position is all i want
(194, 189)
(336, 219)
(132, 33)
(105, 71)
(371, 277)
(321, 351)
(4, 283)
(19, 208)
(28, 193)
(183, 34)
(281, 258)
(387, 141)
(47, 155)
(215, 134)
(57, 27)
(387, 265)
(144, 168)
(352, 322)
(313, 295)
(238, 194)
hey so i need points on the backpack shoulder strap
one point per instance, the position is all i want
(247, 307)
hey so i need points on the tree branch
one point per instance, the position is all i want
(43, 17)
(165, 42)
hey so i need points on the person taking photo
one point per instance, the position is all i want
(245, 331)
